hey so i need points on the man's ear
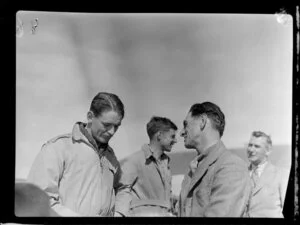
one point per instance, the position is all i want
(90, 116)
(269, 149)
(203, 121)
(158, 136)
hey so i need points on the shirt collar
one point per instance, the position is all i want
(259, 169)
(148, 153)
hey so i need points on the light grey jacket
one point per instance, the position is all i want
(142, 180)
(79, 183)
(219, 187)
(269, 194)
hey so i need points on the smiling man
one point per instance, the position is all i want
(79, 171)
(269, 182)
(217, 183)
(146, 174)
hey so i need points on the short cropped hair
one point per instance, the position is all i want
(258, 134)
(213, 112)
(159, 124)
(104, 101)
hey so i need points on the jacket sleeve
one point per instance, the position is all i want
(230, 192)
(46, 172)
(124, 193)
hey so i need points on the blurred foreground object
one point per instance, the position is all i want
(31, 201)
(150, 208)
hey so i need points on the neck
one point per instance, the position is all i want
(260, 163)
(206, 143)
(157, 151)
(208, 137)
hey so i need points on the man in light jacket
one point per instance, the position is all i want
(217, 183)
(79, 171)
(269, 181)
(146, 174)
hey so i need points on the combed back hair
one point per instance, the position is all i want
(213, 112)
(159, 124)
(104, 101)
(258, 134)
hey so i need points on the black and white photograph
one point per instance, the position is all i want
(153, 114)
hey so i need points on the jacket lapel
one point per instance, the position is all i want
(265, 178)
(213, 154)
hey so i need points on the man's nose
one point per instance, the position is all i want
(111, 130)
(251, 149)
(182, 132)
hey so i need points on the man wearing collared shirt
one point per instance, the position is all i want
(79, 171)
(269, 182)
(146, 174)
(217, 183)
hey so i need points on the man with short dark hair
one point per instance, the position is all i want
(269, 181)
(146, 174)
(79, 170)
(217, 183)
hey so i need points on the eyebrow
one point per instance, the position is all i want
(107, 123)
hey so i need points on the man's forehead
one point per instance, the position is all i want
(258, 140)
(170, 131)
(110, 116)
(110, 121)
(189, 117)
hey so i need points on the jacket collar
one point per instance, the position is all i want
(79, 133)
(208, 158)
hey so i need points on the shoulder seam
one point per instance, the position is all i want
(52, 140)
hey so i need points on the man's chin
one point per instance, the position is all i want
(102, 141)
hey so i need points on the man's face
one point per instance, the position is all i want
(168, 139)
(105, 126)
(257, 150)
(191, 131)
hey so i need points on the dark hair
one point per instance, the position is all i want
(213, 112)
(159, 124)
(104, 101)
(262, 134)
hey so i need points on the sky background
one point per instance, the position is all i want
(158, 64)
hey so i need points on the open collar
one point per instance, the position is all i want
(149, 155)
(79, 133)
(260, 168)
